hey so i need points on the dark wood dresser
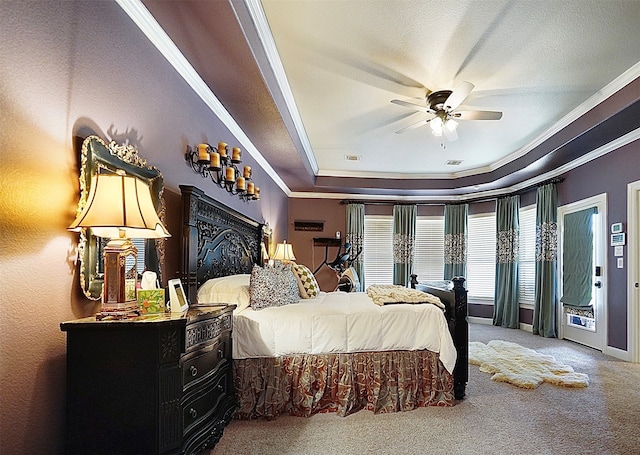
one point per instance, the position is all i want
(160, 384)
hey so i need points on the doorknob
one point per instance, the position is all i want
(598, 284)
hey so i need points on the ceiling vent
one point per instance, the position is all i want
(453, 162)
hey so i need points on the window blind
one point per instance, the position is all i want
(481, 256)
(428, 261)
(527, 258)
(140, 244)
(378, 249)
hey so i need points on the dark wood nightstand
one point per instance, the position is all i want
(159, 384)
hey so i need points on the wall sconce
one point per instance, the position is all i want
(119, 207)
(284, 253)
(223, 170)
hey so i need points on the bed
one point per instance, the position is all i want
(337, 352)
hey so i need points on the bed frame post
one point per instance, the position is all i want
(460, 332)
(456, 315)
(190, 198)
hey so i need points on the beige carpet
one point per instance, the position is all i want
(522, 367)
(495, 418)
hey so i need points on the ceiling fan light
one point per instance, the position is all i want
(451, 125)
(436, 124)
(437, 132)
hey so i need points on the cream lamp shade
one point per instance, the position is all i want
(284, 252)
(120, 206)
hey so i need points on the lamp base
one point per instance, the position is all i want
(120, 278)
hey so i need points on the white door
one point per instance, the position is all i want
(633, 260)
(588, 328)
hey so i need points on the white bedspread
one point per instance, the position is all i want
(341, 322)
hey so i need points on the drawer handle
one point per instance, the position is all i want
(220, 353)
(193, 413)
(194, 371)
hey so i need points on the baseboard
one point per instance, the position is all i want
(477, 320)
(487, 321)
(617, 353)
(526, 327)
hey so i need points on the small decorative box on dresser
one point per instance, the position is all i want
(157, 384)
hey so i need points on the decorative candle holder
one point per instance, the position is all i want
(222, 167)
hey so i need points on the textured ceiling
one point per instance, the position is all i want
(310, 82)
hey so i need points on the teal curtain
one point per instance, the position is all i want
(577, 258)
(404, 234)
(455, 240)
(355, 235)
(544, 312)
(506, 307)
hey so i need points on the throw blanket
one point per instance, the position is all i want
(382, 294)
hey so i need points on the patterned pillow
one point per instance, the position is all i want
(272, 286)
(307, 283)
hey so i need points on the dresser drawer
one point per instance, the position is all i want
(204, 332)
(203, 403)
(204, 363)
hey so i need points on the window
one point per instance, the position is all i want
(527, 257)
(481, 256)
(428, 261)
(378, 249)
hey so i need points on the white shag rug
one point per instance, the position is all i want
(523, 367)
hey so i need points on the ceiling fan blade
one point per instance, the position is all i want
(411, 105)
(415, 125)
(477, 115)
(458, 95)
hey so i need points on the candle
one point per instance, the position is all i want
(222, 149)
(203, 152)
(257, 195)
(240, 184)
(215, 160)
(247, 172)
(230, 175)
(235, 154)
(250, 188)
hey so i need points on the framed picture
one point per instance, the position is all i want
(177, 298)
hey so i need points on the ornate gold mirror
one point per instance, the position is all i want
(98, 157)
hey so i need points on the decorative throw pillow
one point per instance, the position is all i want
(272, 286)
(307, 284)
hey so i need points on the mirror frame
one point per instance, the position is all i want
(98, 156)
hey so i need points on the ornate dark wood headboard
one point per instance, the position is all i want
(216, 240)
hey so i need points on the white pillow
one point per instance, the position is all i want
(228, 289)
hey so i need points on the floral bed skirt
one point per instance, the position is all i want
(303, 385)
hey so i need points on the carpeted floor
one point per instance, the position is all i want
(495, 418)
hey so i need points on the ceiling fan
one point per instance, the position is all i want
(442, 105)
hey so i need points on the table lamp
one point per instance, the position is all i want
(119, 207)
(284, 253)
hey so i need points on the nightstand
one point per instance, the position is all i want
(156, 384)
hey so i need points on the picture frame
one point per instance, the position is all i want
(177, 298)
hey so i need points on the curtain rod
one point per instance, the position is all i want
(479, 199)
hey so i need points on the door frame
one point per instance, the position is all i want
(600, 201)
(633, 270)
